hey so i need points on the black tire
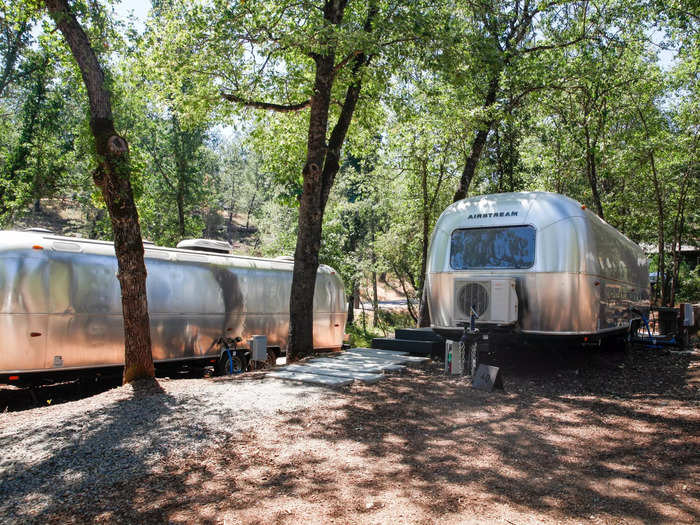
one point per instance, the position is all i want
(634, 331)
(235, 364)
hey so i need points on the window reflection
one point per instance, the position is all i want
(507, 247)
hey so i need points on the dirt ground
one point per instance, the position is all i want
(575, 439)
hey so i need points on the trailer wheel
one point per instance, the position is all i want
(271, 358)
(232, 363)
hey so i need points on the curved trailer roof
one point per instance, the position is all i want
(11, 240)
(570, 237)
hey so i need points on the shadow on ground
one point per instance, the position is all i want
(579, 438)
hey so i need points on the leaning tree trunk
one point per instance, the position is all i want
(112, 176)
(477, 145)
(423, 312)
(592, 175)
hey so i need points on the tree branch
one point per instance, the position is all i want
(90, 69)
(345, 61)
(281, 108)
(553, 46)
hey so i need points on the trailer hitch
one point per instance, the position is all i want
(230, 349)
(469, 343)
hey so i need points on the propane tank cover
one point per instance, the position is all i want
(258, 348)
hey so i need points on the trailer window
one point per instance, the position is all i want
(478, 248)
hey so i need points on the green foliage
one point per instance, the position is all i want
(362, 337)
(581, 103)
(689, 290)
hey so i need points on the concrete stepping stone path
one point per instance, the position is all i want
(309, 368)
(316, 379)
(361, 364)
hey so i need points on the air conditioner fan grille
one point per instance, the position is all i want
(473, 295)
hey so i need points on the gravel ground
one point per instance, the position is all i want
(52, 454)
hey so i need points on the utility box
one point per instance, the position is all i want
(258, 348)
(454, 358)
(687, 314)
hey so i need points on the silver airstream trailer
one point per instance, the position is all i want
(60, 306)
(537, 264)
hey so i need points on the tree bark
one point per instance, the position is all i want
(409, 306)
(477, 146)
(423, 314)
(375, 298)
(661, 269)
(112, 176)
(14, 45)
(180, 198)
(351, 304)
(322, 165)
(592, 174)
(658, 194)
(678, 227)
(423, 311)
(311, 207)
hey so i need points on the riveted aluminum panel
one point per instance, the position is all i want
(68, 292)
(585, 278)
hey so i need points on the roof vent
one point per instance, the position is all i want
(205, 245)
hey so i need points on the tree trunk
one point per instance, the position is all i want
(11, 53)
(112, 176)
(477, 145)
(311, 208)
(180, 198)
(423, 314)
(661, 269)
(678, 227)
(592, 174)
(409, 306)
(251, 204)
(351, 304)
(375, 299)
(658, 194)
(322, 165)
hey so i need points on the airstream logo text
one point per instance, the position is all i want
(496, 214)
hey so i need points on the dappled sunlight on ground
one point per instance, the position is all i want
(593, 443)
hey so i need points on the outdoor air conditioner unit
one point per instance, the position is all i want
(494, 300)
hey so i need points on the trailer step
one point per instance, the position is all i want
(418, 334)
(373, 355)
(410, 346)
